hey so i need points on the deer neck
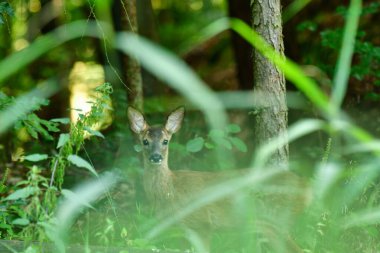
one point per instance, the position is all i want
(158, 182)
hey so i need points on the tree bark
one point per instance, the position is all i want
(131, 66)
(269, 82)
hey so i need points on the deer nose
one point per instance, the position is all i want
(155, 158)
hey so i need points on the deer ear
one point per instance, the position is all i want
(174, 121)
(136, 120)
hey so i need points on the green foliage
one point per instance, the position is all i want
(343, 216)
(29, 208)
(5, 10)
(34, 125)
(217, 137)
(366, 54)
(3, 181)
(31, 203)
(70, 143)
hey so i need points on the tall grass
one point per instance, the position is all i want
(343, 215)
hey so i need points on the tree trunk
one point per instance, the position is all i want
(269, 82)
(132, 68)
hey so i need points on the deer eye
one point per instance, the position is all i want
(145, 142)
(165, 142)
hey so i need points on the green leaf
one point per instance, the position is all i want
(61, 120)
(137, 148)
(35, 122)
(20, 222)
(209, 145)
(195, 145)
(80, 162)
(94, 132)
(51, 126)
(216, 134)
(31, 130)
(36, 157)
(22, 193)
(238, 143)
(224, 142)
(233, 128)
(63, 138)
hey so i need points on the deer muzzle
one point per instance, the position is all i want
(155, 158)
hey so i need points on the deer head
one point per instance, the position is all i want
(155, 139)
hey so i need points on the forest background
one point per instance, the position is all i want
(58, 55)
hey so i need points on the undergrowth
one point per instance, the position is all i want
(31, 203)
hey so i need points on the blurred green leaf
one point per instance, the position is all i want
(22, 193)
(195, 145)
(138, 148)
(209, 145)
(216, 134)
(36, 157)
(238, 143)
(233, 128)
(20, 222)
(43, 44)
(61, 120)
(5, 9)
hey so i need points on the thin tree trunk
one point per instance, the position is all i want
(132, 67)
(269, 82)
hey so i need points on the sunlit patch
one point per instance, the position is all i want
(34, 6)
(84, 78)
(196, 5)
(20, 44)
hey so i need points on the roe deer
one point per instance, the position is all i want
(168, 190)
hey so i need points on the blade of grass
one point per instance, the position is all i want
(18, 60)
(291, 71)
(293, 8)
(70, 208)
(213, 194)
(362, 218)
(295, 131)
(175, 73)
(345, 56)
